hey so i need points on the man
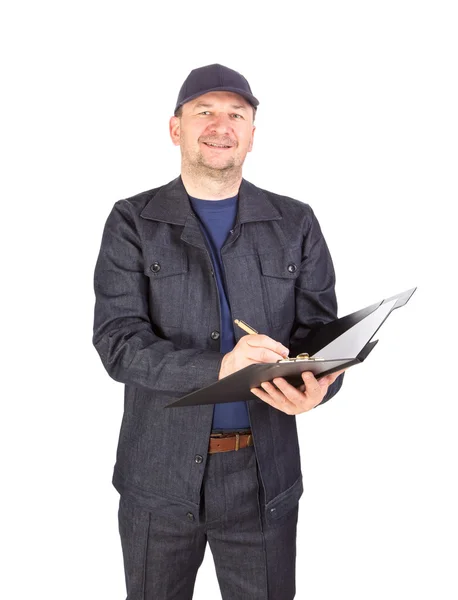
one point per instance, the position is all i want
(177, 265)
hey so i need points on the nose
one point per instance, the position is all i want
(220, 123)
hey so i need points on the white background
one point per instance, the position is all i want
(358, 118)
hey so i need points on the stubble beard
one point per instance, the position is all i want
(198, 167)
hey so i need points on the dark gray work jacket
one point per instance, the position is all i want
(156, 314)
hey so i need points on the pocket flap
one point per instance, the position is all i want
(161, 261)
(279, 264)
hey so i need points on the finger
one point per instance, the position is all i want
(300, 401)
(329, 379)
(268, 399)
(312, 385)
(336, 374)
(277, 399)
(289, 392)
(264, 341)
(275, 394)
(259, 354)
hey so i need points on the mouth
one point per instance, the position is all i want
(216, 146)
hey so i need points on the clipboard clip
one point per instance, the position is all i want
(301, 357)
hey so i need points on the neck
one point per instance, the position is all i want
(225, 184)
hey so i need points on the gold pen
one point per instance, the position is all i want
(244, 326)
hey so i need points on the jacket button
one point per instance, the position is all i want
(190, 516)
(214, 335)
(292, 268)
(198, 458)
(155, 267)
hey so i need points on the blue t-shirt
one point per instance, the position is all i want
(217, 218)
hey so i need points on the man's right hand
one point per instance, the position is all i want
(251, 349)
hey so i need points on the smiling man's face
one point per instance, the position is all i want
(215, 133)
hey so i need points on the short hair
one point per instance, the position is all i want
(179, 112)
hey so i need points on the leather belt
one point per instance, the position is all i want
(225, 442)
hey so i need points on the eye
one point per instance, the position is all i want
(233, 114)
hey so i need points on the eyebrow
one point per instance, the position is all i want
(204, 105)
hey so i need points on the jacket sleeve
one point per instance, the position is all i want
(123, 333)
(316, 302)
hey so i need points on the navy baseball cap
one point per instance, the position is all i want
(214, 78)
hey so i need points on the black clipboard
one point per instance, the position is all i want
(336, 345)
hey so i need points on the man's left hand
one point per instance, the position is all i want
(294, 401)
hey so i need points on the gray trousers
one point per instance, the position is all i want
(164, 548)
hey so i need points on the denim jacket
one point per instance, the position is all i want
(156, 318)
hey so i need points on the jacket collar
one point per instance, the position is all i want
(171, 204)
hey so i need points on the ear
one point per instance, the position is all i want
(174, 129)
(250, 147)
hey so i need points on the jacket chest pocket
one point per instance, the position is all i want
(280, 270)
(167, 270)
